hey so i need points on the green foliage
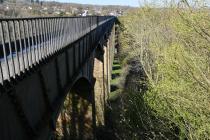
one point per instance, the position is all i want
(173, 47)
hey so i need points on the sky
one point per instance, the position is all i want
(134, 3)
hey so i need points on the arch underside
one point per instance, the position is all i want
(76, 119)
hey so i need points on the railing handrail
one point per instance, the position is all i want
(52, 17)
(27, 41)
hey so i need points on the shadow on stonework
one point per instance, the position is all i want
(76, 121)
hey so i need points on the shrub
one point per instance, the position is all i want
(172, 45)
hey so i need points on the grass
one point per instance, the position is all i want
(115, 95)
(117, 71)
(115, 81)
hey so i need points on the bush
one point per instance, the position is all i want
(172, 45)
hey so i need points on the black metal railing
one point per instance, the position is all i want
(24, 42)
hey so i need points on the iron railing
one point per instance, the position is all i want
(24, 42)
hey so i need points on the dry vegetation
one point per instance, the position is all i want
(171, 45)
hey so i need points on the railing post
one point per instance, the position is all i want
(31, 40)
(97, 20)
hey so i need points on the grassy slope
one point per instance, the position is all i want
(173, 47)
(115, 81)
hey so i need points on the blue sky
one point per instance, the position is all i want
(105, 2)
(135, 3)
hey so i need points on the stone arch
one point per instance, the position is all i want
(83, 87)
(78, 120)
(99, 52)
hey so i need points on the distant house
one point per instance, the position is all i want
(7, 7)
(98, 12)
(112, 14)
(57, 12)
(85, 13)
(30, 8)
(45, 8)
(68, 13)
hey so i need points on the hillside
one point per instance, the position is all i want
(165, 57)
(22, 8)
